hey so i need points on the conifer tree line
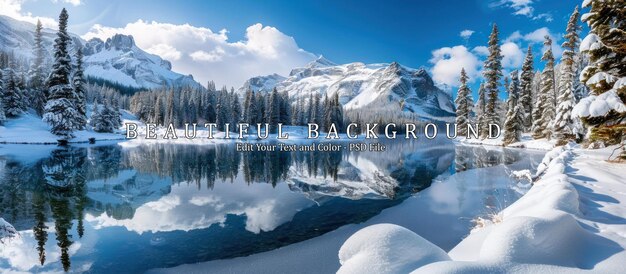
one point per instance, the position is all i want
(180, 106)
(551, 103)
(57, 91)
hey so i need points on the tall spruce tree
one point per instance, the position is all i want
(548, 94)
(246, 106)
(60, 110)
(12, 97)
(273, 116)
(39, 93)
(3, 117)
(604, 75)
(479, 108)
(513, 126)
(79, 90)
(333, 113)
(564, 127)
(236, 112)
(492, 73)
(526, 87)
(464, 104)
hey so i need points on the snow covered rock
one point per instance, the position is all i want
(362, 86)
(387, 248)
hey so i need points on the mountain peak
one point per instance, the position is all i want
(120, 42)
(321, 62)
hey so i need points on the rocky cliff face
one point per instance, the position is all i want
(118, 59)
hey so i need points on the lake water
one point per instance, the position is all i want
(113, 209)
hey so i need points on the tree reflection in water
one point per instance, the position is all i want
(57, 187)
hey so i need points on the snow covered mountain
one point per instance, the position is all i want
(360, 86)
(118, 59)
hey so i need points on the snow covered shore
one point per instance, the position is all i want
(526, 141)
(572, 220)
(30, 129)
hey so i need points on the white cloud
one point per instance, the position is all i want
(466, 34)
(481, 50)
(537, 37)
(71, 2)
(165, 51)
(447, 63)
(514, 36)
(13, 9)
(544, 16)
(209, 55)
(523, 8)
(512, 55)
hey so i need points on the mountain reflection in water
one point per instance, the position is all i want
(96, 208)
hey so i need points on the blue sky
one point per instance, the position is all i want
(343, 31)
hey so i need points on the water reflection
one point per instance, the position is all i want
(182, 204)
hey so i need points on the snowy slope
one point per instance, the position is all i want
(570, 221)
(117, 59)
(361, 86)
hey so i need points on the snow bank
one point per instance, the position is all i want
(387, 248)
(526, 142)
(7, 231)
(30, 129)
(565, 223)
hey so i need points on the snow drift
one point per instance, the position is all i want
(553, 228)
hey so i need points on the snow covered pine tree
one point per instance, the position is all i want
(604, 110)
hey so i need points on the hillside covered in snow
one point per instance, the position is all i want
(360, 86)
(118, 59)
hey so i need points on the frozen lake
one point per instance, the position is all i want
(110, 209)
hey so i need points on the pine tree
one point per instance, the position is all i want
(246, 106)
(479, 107)
(12, 97)
(102, 118)
(606, 47)
(301, 113)
(547, 97)
(79, 90)
(333, 113)
(513, 124)
(220, 111)
(492, 73)
(581, 61)
(236, 112)
(115, 118)
(526, 87)
(169, 109)
(95, 117)
(260, 108)
(295, 113)
(60, 111)
(39, 94)
(273, 117)
(463, 105)
(3, 117)
(285, 108)
(563, 126)
(62, 66)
